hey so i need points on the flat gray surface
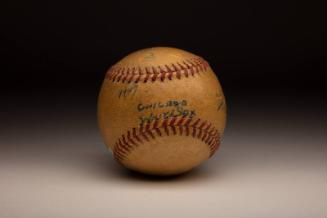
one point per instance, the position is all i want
(263, 169)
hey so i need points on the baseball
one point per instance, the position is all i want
(161, 111)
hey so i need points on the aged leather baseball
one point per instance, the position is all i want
(161, 111)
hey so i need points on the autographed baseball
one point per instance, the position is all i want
(161, 111)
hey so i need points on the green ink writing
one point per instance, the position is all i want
(156, 105)
(167, 114)
(164, 110)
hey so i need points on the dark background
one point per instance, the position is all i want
(269, 56)
(250, 44)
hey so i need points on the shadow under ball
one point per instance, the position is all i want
(161, 111)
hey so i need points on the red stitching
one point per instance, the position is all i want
(200, 129)
(185, 68)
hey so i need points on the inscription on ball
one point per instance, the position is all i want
(130, 90)
(170, 108)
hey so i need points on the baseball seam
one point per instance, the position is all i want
(199, 129)
(186, 68)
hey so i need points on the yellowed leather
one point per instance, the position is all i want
(161, 111)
